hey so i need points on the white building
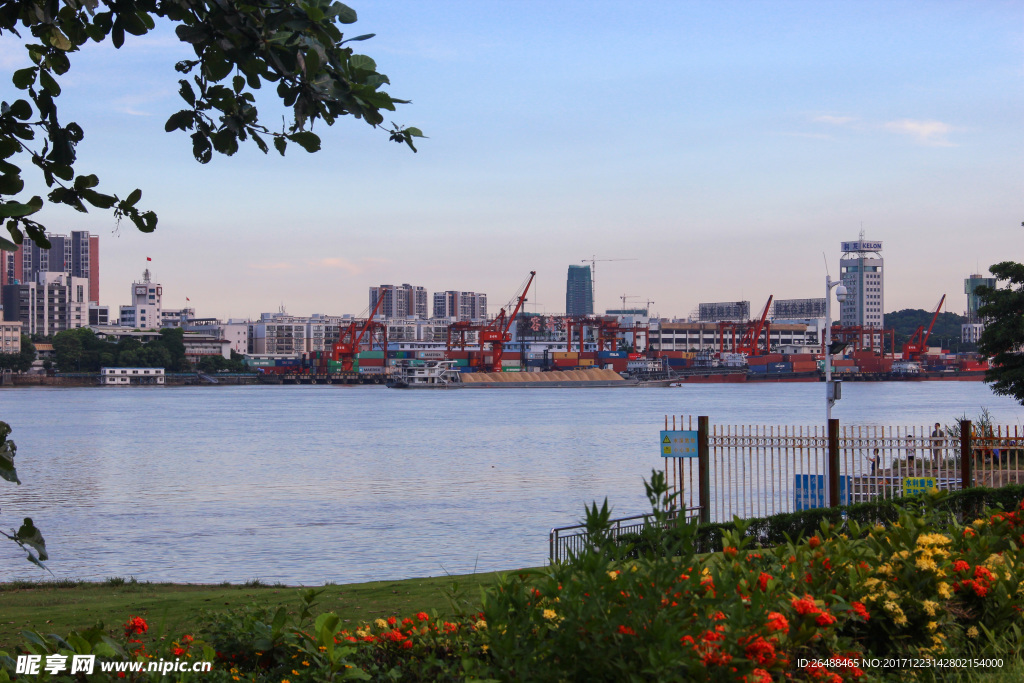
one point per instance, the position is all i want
(145, 311)
(400, 302)
(10, 336)
(460, 305)
(235, 332)
(861, 272)
(54, 302)
(127, 376)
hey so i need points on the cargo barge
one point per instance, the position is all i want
(444, 375)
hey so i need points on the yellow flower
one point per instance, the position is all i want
(550, 614)
(294, 672)
(978, 523)
(932, 625)
(613, 575)
(932, 539)
(929, 607)
(994, 560)
(900, 620)
(891, 595)
(485, 648)
(482, 625)
(972, 632)
(380, 623)
(926, 563)
(944, 591)
(633, 569)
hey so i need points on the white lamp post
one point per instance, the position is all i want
(832, 392)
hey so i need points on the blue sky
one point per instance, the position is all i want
(723, 145)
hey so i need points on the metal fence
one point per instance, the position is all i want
(567, 540)
(761, 470)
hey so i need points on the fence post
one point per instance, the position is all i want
(703, 469)
(966, 475)
(833, 463)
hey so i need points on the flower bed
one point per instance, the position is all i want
(924, 587)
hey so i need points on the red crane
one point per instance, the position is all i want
(349, 339)
(918, 342)
(496, 332)
(751, 335)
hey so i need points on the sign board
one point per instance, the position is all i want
(861, 245)
(810, 491)
(916, 486)
(681, 444)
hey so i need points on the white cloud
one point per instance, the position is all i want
(932, 133)
(351, 268)
(280, 265)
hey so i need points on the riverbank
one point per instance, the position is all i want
(173, 609)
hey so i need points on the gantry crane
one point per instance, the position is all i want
(496, 332)
(918, 342)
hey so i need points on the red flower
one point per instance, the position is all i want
(983, 573)
(760, 651)
(805, 605)
(135, 626)
(777, 622)
(814, 542)
(730, 551)
(825, 619)
(177, 651)
(763, 580)
(626, 631)
(961, 566)
(826, 563)
(392, 621)
(407, 645)
(422, 616)
(860, 610)
(759, 676)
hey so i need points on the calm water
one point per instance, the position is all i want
(306, 484)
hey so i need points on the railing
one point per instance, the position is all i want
(757, 470)
(561, 544)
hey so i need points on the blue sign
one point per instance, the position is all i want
(679, 444)
(811, 491)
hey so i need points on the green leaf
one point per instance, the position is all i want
(238, 82)
(21, 110)
(307, 140)
(98, 199)
(17, 210)
(366, 36)
(30, 536)
(344, 13)
(145, 222)
(24, 77)
(181, 120)
(59, 40)
(187, 93)
(280, 143)
(8, 449)
(84, 182)
(48, 83)
(414, 132)
(362, 62)
(133, 198)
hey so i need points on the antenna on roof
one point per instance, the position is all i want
(825, 259)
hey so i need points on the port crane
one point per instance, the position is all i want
(496, 332)
(918, 342)
(350, 337)
(751, 337)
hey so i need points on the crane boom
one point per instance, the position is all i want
(918, 342)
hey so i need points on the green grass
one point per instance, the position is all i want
(174, 609)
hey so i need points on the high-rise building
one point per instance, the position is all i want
(579, 292)
(460, 305)
(145, 310)
(52, 303)
(400, 302)
(77, 254)
(971, 285)
(861, 271)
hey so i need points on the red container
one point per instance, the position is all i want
(565, 362)
(757, 360)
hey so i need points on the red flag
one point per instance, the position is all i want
(148, 259)
(187, 299)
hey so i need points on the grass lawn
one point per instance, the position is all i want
(174, 609)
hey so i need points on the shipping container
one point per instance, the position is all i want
(564, 355)
(758, 369)
(371, 362)
(371, 370)
(780, 367)
(370, 354)
(565, 362)
(430, 355)
(611, 354)
(510, 369)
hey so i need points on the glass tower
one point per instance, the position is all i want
(579, 292)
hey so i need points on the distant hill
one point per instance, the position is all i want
(946, 330)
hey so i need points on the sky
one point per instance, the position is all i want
(719, 150)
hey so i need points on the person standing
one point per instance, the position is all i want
(938, 443)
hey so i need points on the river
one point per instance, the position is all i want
(307, 484)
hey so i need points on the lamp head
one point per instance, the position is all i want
(841, 293)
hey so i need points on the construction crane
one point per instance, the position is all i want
(918, 342)
(593, 274)
(647, 304)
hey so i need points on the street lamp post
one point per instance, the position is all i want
(832, 393)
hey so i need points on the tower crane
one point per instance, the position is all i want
(496, 332)
(647, 304)
(918, 342)
(593, 260)
(350, 337)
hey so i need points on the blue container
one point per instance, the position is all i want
(779, 367)
(758, 369)
(467, 369)
(612, 354)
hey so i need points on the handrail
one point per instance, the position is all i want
(556, 539)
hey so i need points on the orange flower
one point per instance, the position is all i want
(777, 622)
(861, 610)
(814, 542)
(422, 616)
(626, 631)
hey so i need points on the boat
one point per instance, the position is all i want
(442, 374)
